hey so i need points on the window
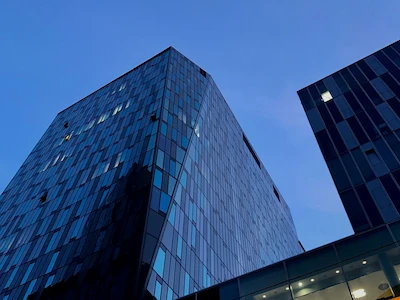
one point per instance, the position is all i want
(67, 137)
(179, 247)
(159, 263)
(373, 157)
(326, 96)
(276, 194)
(52, 262)
(253, 153)
(66, 125)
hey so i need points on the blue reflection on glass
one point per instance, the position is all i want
(158, 178)
(159, 263)
(164, 202)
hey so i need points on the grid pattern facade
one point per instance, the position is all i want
(358, 131)
(225, 218)
(146, 184)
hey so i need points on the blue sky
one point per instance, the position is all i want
(259, 53)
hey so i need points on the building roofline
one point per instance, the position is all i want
(138, 66)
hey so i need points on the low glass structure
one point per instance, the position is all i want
(363, 266)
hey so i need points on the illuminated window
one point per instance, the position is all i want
(326, 96)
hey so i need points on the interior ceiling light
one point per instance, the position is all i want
(264, 296)
(359, 293)
(326, 96)
(312, 279)
(337, 271)
(287, 288)
(364, 262)
(300, 284)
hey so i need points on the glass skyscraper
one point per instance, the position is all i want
(146, 188)
(354, 114)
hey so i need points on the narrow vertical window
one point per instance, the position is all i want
(276, 194)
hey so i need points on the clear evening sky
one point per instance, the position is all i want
(259, 52)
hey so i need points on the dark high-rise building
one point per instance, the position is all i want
(146, 188)
(354, 114)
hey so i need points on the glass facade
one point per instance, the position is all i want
(364, 266)
(358, 130)
(146, 188)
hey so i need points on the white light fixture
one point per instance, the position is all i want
(264, 296)
(287, 288)
(312, 279)
(359, 293)
(326, 96)
(337, 271)
(364, 262)
(300, 284)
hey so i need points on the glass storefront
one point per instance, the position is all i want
(364, 266)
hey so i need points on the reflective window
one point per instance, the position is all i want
(164, 202)
(157, 292)
(27, 273)
(159, 262)
(186, 284)
(158, 178)
(52, 262)
(179, 247)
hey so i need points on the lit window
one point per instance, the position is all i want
(326, 96)
(67, 137)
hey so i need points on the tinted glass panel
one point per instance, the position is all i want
(340, 82)
(311, 261)
(392, 84)
(338, 174)
(369, 205)
(385, 153)
(362, 98)
(363, 165)
(358, 131)
(349, 78)
(337, 140)
(395, 105)
(357, 73)
(394, 143)
(393, 55)
(392, 190)
(314, 93)
(321, 87)
(384, 60)
(325, 144)
(351, 169)
(305, 98)
(351, 99)
(366, 69)
(263, 279)
(325, 115)
(368, 126)
(354, 211)
(337, 116)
